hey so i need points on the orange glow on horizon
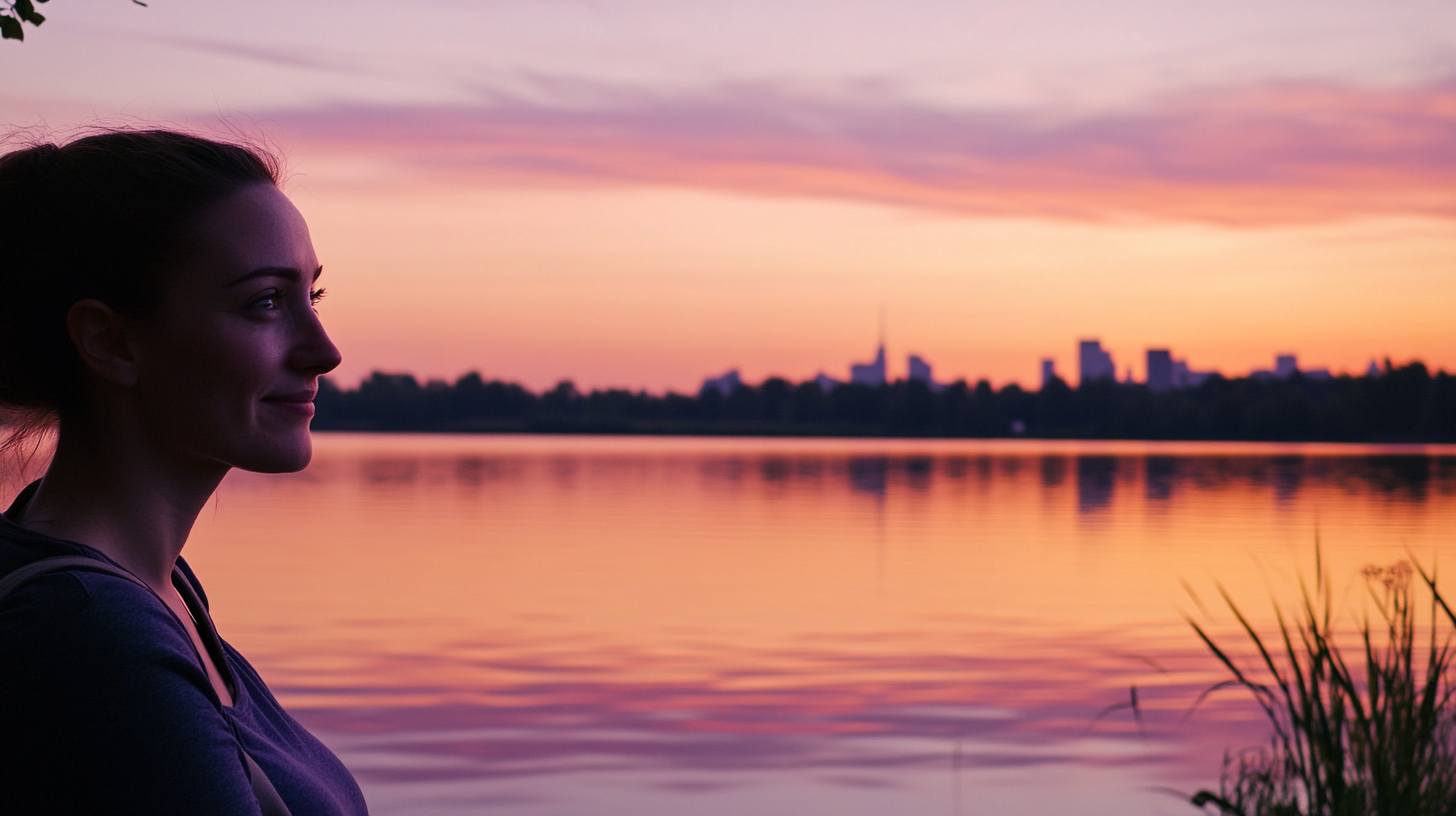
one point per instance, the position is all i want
(657, 288)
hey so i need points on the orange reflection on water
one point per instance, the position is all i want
(482, 617)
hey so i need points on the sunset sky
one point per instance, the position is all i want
(640, 193)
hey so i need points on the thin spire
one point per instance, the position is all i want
(880, 354)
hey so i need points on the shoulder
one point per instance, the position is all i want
(76, 626)
(76, 602)
(77, 630)
(102, 700)
(76, 608)
(74, 634)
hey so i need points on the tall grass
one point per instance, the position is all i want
(1368, 737)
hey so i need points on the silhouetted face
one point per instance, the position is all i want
(229, 366)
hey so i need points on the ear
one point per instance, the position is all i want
(103, 338)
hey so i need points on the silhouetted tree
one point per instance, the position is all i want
(773, 397)
(808, 403)
(1403, 403)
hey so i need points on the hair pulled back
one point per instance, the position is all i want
(107, 216)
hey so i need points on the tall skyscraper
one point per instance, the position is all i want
(1094, 363)
(871, 373)
(1048, 371)
(1160, 370)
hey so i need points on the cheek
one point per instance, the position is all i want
(210, 373)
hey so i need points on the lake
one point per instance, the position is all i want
(646, 626)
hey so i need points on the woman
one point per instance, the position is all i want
(157, 306)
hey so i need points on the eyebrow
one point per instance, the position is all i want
(271, 272)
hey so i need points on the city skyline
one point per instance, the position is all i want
(1160, 371)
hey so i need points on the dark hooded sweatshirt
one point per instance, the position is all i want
(105, 707)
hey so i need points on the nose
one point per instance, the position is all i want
(313, 352)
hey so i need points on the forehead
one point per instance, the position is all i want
(255, 227)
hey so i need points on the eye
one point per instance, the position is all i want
(316, 295)
(267, 301)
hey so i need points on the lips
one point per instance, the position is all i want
(299, 401)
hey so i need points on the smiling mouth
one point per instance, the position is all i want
(300, 402)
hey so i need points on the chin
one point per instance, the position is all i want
(277, 455)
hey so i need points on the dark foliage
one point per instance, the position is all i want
(1367, 732)
(15, 12)
(1405, 404)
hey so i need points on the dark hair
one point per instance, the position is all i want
(107, 216)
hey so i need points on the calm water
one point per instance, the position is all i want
(643, 626)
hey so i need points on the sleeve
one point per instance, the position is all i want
(104, 708)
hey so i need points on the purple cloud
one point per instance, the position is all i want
(1275, 153)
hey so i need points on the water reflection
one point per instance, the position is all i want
(1410, 477)
(391, 471)
(1160, 477)
(658, 626)
(1407, 477)
(1053, 471)
(1096, 481)
(870, 474)
(809, 710)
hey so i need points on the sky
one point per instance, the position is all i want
(641, 193)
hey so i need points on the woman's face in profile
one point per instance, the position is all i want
(229, 366)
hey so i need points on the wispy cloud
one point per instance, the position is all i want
(1273, 153)
(279, 56)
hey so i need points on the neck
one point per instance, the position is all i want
(111, 490)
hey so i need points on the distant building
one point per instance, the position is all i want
(1094, 363)
(1286, 366)
(826, 383)
(1373, 370)
(1185, 377)
(869, 373)
(1048, 371)
(919, 369)
(724, 384)
(1160, 370)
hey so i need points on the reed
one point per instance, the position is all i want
(1372, 736)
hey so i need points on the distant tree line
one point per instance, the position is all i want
(1403, 404)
